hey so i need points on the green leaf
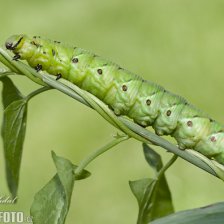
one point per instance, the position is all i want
(161, 199)
(153, 195)
(139, 189)
(9, 93)
(152, 158)
(51, 203)
(13, 134)
(142, 189)
(13, 131)
(212, 214)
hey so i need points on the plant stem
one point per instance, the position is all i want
(92, 156)
(36, 92)
(7, 63)
(7, 73)
(169, 163)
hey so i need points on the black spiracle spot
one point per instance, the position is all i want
(100, 71)
(148, 102)
(75, 60)
(168, 113)
(189, 123)
(124, 88)
(211, 120)
(213, 139)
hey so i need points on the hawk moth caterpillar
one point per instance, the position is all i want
(147, 103)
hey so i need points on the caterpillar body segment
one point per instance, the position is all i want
(148, 104)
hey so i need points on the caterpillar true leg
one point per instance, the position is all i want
(16, 57)
(38, 67)
(58, 76)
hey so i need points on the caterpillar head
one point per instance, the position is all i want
(15, 42)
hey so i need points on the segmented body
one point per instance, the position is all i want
(127, 94)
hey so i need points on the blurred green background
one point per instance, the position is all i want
(178, 44)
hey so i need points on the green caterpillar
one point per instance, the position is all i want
(127, 94)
